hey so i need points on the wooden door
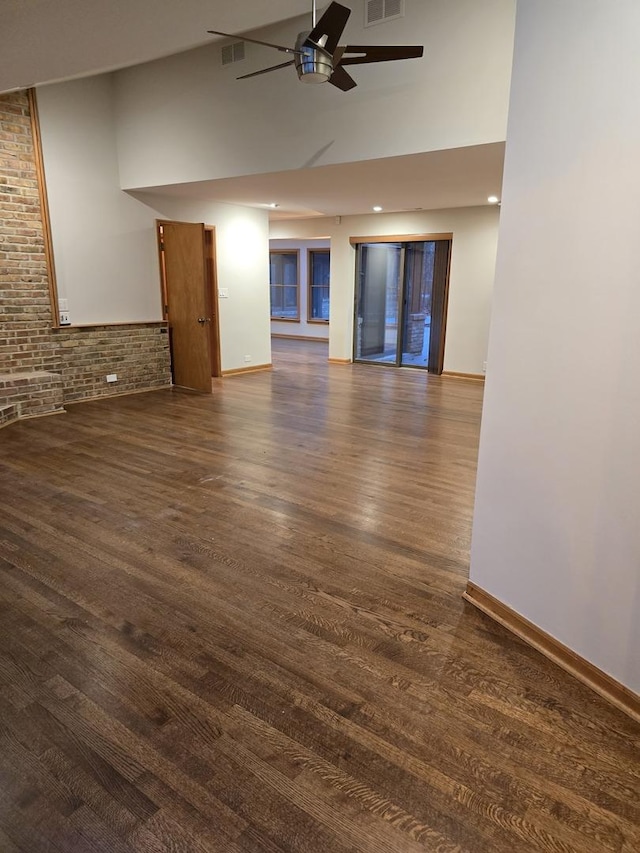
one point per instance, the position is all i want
(187, 305)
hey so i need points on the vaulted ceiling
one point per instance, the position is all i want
(46, 42)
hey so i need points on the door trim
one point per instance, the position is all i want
(401, 238)
(442, 315)
(212, 294)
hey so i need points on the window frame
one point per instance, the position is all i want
(295, 319)
(310, 252)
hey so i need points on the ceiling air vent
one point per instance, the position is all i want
(377, 11)
(233, 53)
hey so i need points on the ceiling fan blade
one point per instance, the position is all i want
(380, 53)
(266, 70)
(342, 79)
(256, 41)
(326, 33)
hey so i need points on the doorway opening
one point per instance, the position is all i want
(300, 288)
(401, 301)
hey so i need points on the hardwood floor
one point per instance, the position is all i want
(234, 623)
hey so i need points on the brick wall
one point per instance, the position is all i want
(29, 394)
(48, 366)
(139, 355)
(25, 308)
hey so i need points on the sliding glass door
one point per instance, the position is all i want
(399, 285)
(378, 294)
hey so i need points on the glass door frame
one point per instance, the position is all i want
(398, 354)
(403, 240)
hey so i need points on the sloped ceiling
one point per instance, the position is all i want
(45, 41)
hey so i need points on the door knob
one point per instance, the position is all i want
(202, 320)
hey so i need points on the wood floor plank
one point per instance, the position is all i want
(233, 624)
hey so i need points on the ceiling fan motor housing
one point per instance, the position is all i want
(313, 64)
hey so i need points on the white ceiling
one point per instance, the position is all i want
(458, 177)
(46, 41)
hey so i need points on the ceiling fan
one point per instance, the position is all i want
(319, 58)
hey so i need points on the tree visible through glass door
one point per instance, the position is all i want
(418, 286)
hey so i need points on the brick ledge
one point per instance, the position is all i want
(31, 393)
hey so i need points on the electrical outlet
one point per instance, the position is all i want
(247, 359)
(484, 366)
(65, 319)
(223, 292)
(112, 377)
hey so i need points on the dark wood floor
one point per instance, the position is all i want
(234, 624)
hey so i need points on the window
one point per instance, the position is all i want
(285, 290)
(319, 274)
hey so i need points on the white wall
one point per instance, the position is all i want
(475, 233)
(104, 240)
(105, 247)
(185, 118)
(302, 328)
(556, 533)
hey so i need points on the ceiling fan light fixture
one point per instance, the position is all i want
(314, 76)
(313, 64)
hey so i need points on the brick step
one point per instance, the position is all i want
(34, 392)
(8, 414)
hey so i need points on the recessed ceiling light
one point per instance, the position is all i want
(273, 204)
(377, 208)
(493, 199)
